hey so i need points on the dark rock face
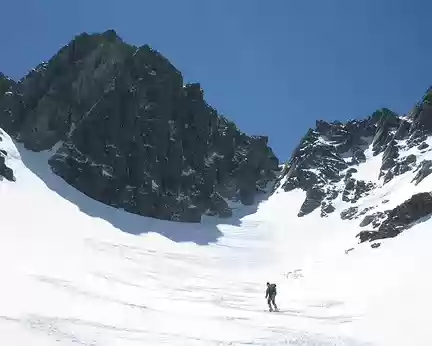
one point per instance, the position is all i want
(355, 189)
(133, 135)
(5, 171)
(327, 155)
(327, 208)
(313, 201)
(367, 220)
(423, 146)
(403, 130)
(423, 170)
(325, 162)
(386, 122)
(349, 213)
(364, 211)
(375, 219)
(358, 155)
(393, 222)
(390, 154)
(422, 117)
(9, 101)
(58, 94)
(418, 206)
(6, 84)
(8, 104)
(400, 167)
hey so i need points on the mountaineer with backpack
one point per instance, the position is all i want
(271, 295)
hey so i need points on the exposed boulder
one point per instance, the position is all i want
(367, 220)
(327, 208)
(423, 146)
(349, 213)
(5, 171)
(349, 173)
(410, 159)
(375, 219)
(366, 236)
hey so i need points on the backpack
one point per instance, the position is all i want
(272, 289)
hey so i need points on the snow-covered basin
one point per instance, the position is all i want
(76, 272)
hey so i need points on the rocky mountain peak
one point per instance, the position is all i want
(326, 162)
(132, 134)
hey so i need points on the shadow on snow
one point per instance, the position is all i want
(202, 233)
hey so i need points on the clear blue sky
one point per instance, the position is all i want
(272, 66)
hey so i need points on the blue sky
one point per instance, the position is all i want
(273, 66)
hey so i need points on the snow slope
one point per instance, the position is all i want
(76, 272)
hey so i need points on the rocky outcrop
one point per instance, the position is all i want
(5, 171)
(423, 170)
(355, 189)
(421, 118)
(314, 197)
(375, 219)
(367, 220)
(327, 156)
(349, 213)
(393, 222)
(10, 101)
(325, 164)
(133, 135)
(326, 208)
(423, 146)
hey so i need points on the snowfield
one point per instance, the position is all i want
(77, 272)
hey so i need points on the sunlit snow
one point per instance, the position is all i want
(77, 272)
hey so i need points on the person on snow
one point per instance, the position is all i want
(271, 296)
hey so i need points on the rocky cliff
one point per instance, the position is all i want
(325, 165)
(131, 134)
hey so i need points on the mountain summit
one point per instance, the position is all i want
(131, 134)
(343, 165)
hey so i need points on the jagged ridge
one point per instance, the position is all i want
(324, 162)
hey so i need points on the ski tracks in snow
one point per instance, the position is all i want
(73, 279)
(155, 297)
